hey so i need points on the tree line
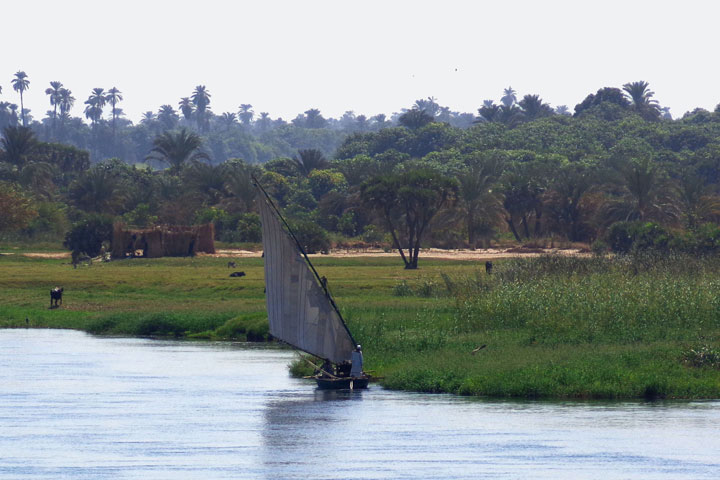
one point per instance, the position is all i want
(618, 173)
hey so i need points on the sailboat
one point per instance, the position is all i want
(301, 311)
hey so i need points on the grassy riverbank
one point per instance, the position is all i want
(553, 327)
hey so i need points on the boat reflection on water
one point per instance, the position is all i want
(313, 427)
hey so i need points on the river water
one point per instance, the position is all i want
(81, 407)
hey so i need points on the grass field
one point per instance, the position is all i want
(553, 327)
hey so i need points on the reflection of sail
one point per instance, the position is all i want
(299, 311)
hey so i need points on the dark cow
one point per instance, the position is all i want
(231, 264)
(488, 267)
(56, 296)
(237, 274)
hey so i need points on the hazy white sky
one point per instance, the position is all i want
(369, 56)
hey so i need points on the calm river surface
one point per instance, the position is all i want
(81, 407)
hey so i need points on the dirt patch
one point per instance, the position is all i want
(47, 255)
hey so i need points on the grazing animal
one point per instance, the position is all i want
(56, 296)
(231, 264)
(237, 274)
(488, 267)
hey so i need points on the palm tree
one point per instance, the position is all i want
(509, 97)
(228, 120)
(21, 83)
(263, 123)
(207, 180)
(644, 194)
(98, 190)
(186, 107)
(534, 108)
(309, 160)
(148, 117)
(489, 112)
(55, 98)
(95, 103)
(13, 114)
(477, 198)
(414, 119)
(177, 148)
(640, 95)
(246, 114)
(18, 143)
(4, 114)
(239, 183)
(201, 100)
(66, 101)
(510, 116)
(562, 110)
(168, 117)
(113, 97)
(429, 106)
(314, 119)
(697, 201)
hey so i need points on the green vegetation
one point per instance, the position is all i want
(617, 175)
(639, 326)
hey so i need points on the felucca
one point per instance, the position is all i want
(301, 311)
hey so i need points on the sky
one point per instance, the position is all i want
(369, 56)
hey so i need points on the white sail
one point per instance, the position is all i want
(299, 312)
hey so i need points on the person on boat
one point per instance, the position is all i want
(356, 369)
(326, 369)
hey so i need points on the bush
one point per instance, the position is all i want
(311, 236)
(88, 235)
(624, 237)
(248, 228)
(402, 289)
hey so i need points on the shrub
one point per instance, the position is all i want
(402, 289)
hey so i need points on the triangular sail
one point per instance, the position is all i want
(299, 311)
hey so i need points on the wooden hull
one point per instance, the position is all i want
(342, 383)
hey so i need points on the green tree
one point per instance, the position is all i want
(17, 210)
(478, 199)
(698, 203)
(99, 190)
(18, 143)
(640, 95)
(88, 235)
(95, 104)
(489, 112)
(644, 194)
(533, 107)
(246, 114)
(20, 84)
(309, 160)
(407, 202)
(509, 97)
(113, 97)
(177, 148)
(66, 103)
(54, 92)
(168, 117)
(186, 107)
(201, 101)
(415, 118)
